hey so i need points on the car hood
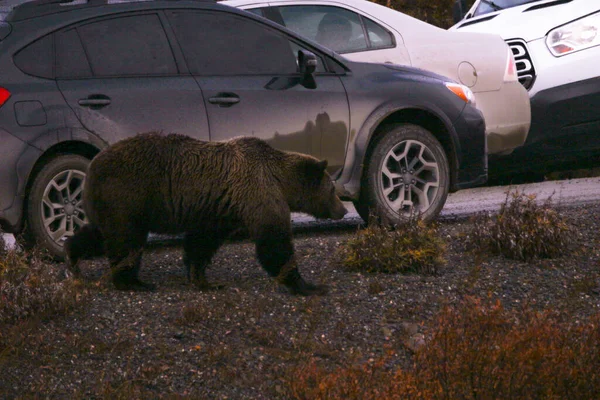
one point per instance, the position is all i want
(529, 21)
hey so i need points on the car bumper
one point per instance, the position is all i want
(472, 156)
(11, 150)
(507, 116)
(564, 131)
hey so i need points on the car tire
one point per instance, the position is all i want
(407, 173)
(55, 203)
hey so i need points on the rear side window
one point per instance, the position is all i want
(216, 43)
(37, 58)
(333, 27)
(257, 11)
(126, 46)
(379, 37)
(71, 61)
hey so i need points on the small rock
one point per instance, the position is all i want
(410, 328)
(415, 342)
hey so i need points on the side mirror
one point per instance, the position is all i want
(307, 63)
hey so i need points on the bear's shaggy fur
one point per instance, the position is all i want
(175, 184)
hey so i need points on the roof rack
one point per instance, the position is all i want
(38, 8)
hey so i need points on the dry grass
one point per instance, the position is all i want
(523, 229)
(412, 247)
(474, 351)
(31, 287)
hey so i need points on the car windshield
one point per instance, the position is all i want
(488, 6)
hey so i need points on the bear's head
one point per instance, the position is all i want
(316, 195)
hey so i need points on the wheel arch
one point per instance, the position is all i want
(435, 121)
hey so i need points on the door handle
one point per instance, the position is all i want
(95, 101)
(224, 99)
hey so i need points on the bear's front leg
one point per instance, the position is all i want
(291, 278)
(275, 251)
(125, 272)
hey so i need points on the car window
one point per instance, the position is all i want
(257, 11)
(125, 46)
(71, 61)
(37, 58)
(379, 37)
(217, 43)
(486, 7)
(333, 27)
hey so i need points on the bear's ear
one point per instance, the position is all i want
(315, 169)
(322, 165)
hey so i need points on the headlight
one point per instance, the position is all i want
(574, 36)
(461, 91)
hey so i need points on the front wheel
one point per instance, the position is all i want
(55, 206)
(407, 173)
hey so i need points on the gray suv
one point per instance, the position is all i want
(78, 76)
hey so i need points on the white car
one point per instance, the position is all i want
(557, 50)
(365, 31)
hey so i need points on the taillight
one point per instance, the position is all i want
(510, 74)
(4, 95)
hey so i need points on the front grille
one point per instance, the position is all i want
(525, 69)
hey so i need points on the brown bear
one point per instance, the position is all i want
(173, 184)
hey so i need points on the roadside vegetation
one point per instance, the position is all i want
(475, 350)
(523, 229)
(33, 288)
(412, 247)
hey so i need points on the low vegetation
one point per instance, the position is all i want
(31, 287)
(412, 247)
(476, 350)
(523, 229)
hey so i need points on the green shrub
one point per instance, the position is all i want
(410, 247)
(523, 229)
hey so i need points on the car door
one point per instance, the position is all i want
(121, 78)
(250, 78)
(340, 28)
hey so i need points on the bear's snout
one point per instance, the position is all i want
(339, 210)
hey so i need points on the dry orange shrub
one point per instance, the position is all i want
(475, 351)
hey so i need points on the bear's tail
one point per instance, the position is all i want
(85, 244)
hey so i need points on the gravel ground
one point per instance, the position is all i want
(243, 342)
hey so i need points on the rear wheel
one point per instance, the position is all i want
(55, 206)
(407, 172)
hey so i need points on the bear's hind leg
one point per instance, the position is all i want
(199, 248)
(275, 251)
